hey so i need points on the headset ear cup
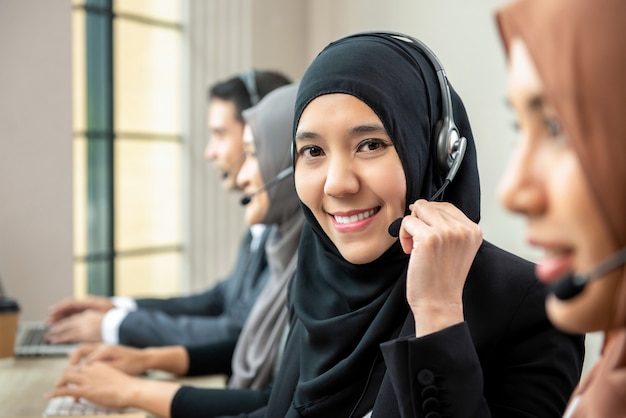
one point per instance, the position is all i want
(450, 148)
(444, 151)
(439, 136)
(457, 156)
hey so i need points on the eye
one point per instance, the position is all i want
(553, 126)
(310, 151)
(372, 144)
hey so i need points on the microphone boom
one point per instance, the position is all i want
(273, 182)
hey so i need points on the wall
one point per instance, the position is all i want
(35, 153)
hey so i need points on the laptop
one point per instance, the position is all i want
(30, 342)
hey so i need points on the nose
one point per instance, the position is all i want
(341, 179)
(521, 189)
(209, 151)
(243, 176)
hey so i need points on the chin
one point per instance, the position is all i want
(253, 219)
(229, 183)
(362, 254)
(576, 316)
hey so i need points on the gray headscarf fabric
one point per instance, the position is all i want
(255, 355)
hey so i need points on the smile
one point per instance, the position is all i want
(355, 218)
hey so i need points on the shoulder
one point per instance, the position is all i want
(502, 285)
(498, 269)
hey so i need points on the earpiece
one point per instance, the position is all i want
(451, 145)
(248, 78)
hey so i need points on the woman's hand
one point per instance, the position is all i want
(442, 243)
(103, 385)
(132, 361)
(98, 383)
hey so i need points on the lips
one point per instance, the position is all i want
(355, 217)
(353, 221)
(554, 265)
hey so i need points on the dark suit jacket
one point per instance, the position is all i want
(505, 360)
(213, 316)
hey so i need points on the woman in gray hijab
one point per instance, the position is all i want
(266, 178)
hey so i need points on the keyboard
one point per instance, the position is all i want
(30, 342)
(67, 406)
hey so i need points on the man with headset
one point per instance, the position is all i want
(216, 315)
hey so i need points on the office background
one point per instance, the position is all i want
(217, 38)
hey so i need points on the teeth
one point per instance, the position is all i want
(354, 218)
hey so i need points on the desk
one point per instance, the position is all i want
(23, 385)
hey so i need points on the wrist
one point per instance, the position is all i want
(155, 396)
(130, 397)
(152, 358)
(172, 359)
(433, 317)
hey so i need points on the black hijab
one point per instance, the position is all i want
(347, 310)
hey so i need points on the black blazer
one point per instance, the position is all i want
(505, 360)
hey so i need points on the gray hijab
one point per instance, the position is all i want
(257, 348)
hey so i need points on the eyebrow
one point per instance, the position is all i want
(306, 135)
(367, 129)
(354, 131)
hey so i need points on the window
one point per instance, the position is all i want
(128, 147)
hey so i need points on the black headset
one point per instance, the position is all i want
(450, 145)
(248, 78)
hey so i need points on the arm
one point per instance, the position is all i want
(101, 384)
(179, 360)
(133, 361)
(145, 328)
(207, 303)
(213, 301)
(192, 402)
(215, 358)
(434, 372)
(104, 385)
(505, 360)
(231, 299)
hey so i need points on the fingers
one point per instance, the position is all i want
(63, 331)
(57, 334)
(69, 307)
(62, 310)
(82, 327)
(71, 376)
(69, 384)
(101, 352)
(81, 352)
(64, 391)
(437, 223)
(442, 243)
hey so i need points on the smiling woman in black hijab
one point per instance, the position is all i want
(473, 339)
